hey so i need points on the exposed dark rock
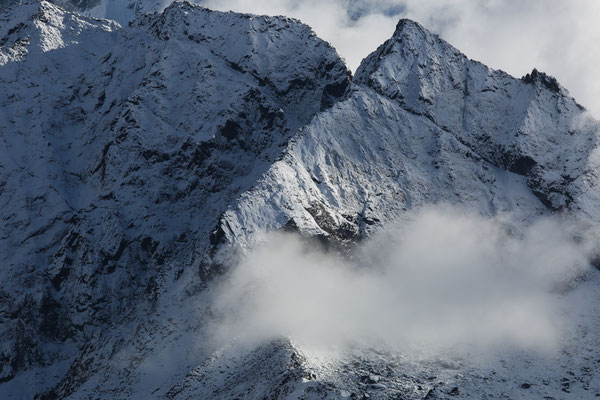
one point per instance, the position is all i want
(62, 275)
(217, 236)
(290, 226)
(52, 321)
(340, 236)
(548, 81)
(231, 130)
(595, 261)
(334, 91)
(521, 165)
(149, 245)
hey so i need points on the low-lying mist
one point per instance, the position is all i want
(441, 280)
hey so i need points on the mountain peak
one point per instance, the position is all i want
(41, 26)
(548, 81)
(406, 25)
(183, 5)
(411, 52)
(427, 76)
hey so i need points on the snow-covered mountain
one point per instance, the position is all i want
(121, 148)
(138, 162)
(121, 11)
(124, 11)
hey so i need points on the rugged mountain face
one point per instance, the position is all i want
(137, 162)
(429, 77)
(423, 123)
(121, 148)
(124, 11)
(121, 11)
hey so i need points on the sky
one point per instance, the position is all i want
(559, 37)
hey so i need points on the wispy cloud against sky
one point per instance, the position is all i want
(559, 37)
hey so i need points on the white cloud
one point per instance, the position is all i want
(442, 279)
(558, 37)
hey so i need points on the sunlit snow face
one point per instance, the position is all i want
(555, 36)
(441, 280)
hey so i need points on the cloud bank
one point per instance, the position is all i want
(555, 36)
(443, 279)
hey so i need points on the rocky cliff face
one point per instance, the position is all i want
(422, 123)
(122, 147)
(138, 162)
